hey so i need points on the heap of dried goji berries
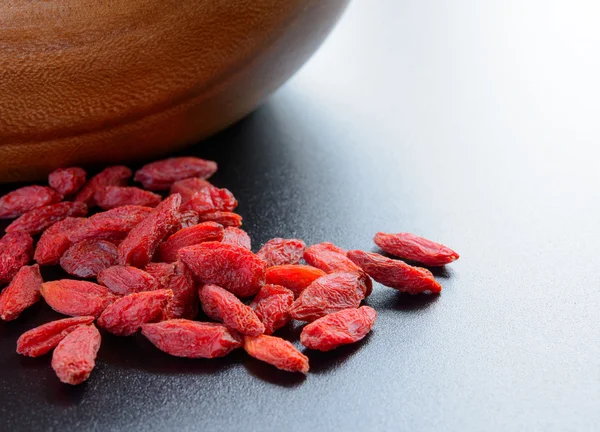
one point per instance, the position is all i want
(149, 263)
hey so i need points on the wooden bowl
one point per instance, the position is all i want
(88, 82)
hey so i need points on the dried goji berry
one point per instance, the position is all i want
(344, 327)
(211, 199)
(272, 305)
(43, 339)
(237, 237)
(75, 356)
(327, 295)
(87, 258)
(184, 303)
(227, 219)
(54, 242)
(193, 339)
(331, 259)
(415, 248)
(186, 219)
(280, 251)
(110, 197)
(16, 250)
(220, 305)
(77, 298)
(23, 291)
(293, 277)
(38, 219)
(203, 232)
(138, 247)
(123, 280)
(111, 225)
(395, 273)
(111, 176)
(25, 199)
(162, 272)
(188, 187)
(232, 267)
(126, 315)
(162, 174)
(277, 352)
(67, 181)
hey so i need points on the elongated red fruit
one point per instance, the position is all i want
(395, 273)
(227, 219)
(37, 220)
(188, 187)
(75, 356)
(184, 303)
(344, 327)
(415, 248)
(162, 174)
(211, 199)
(124, 280)
(277, 352)
(77, 298)
(237, 237)
(220, 305)
(110, 197)
(54, 242)
(16, 250)
(43, 339)
(110, 225)
(193, 339)
(126, 315)
(272, 305)
(232, 267)
(280, 251)
(87, 258)
(111, 176)
(23, 291)
(22, 200)
(67, 181)
(203, 232)
(294, 277)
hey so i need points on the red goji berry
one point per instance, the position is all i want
(54, 242)
(327, 295)
(193, 339)
(227, 219)
(203, 232)
(87, 258)
(395, 273)
(123, 280)
(220, 305)
(211, 199)
(186, 219)
(23, 291)
(77, 298)
(110, 225)
(126, 315)
(25, 199)
(162, 174)
(188, 187)
(110, 197)
(237, 237)
(277, 352)
(279, 251)
(43, 339)
(38, 219)
(232, 267)
(111, 176)
(74, 357)
(138, 247)
(344, 327)
(414, 248)
(184, 303)
(162, 272)
(67, 181)
(272, 305)
(293, 277)
(16, 250)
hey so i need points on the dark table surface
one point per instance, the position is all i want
(473, 123)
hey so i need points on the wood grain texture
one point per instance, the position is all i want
(111, 81)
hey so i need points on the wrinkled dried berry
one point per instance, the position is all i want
(272, 305)
(161, 272)
(203, 232)
(415, 248)
(220, 305)
(162, 174)
(38, 219)
(277, 352)
(344, 327)
(237, 237)
(232, 267)
(184, 303)
(110, 225)
(110, 197)
(25, 199)
(186, 219)
(188, 187)
(328, 294)
(54, 242)
(126, 315)
(293, 277)
(111, 176)
(279, 251)
(16, 250)
(43, 339)
(227, 219)
(87, 258)
(210, 200)
(67, 181)
(123, 280)
(75, 356)
(23, 291)
(395, 273)
(193, 339)
(138, 247)
(77, 298)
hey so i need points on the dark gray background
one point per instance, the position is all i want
(474, 123)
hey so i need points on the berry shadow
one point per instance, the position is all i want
(325, 362)
(389, 299)
(272, 375)
(65, 395)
